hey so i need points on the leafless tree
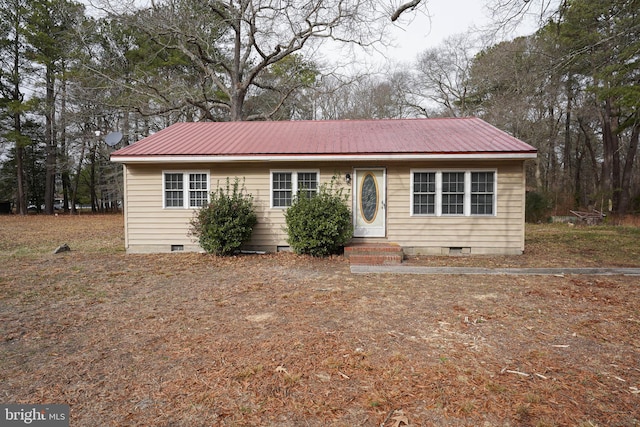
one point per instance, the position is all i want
(232, 45)
(507, 15)
(364, 97)
(442, 74)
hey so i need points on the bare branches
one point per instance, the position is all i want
(410, 5)
(232, 44)
(509, 14)
(444, 74)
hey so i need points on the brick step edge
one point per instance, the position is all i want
(372, 249)
(375, 259)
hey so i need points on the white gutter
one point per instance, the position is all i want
(322, 157)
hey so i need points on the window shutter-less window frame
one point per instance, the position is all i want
(457, 192)
(185, 189)
(303, 180)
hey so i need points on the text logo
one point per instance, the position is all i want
(34, 415)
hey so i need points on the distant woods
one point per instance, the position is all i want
(69, 76)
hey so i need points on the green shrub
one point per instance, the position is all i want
(226, 222)
(319, 225)
(537, 207)
(635, 205)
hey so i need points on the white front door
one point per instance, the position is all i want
(370, 202)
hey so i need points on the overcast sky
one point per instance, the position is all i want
(414, 32)
(446, 18)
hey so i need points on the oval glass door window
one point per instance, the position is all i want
(369, 198)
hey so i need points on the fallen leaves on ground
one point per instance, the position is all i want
(286, 340)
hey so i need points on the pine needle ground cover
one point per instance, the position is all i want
(287, 340)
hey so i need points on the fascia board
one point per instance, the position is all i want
(316, 158)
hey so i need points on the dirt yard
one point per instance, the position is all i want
(284, 340)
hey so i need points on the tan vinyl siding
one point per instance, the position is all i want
(125, 206)
(152, 228)
(499, 233)
(269, 232)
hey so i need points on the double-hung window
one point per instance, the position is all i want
(185, 189)
(424, 193)
(285, 185)
(449, 193)
(173, 190)
(452, 193)
(482, 193)
(282, 189)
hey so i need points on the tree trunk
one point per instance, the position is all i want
(64, 170)
(592, 155)
(126, 129)
(50, 140)
(616, 170)
(566, 161)
(579, 188)
(238, 91)
(76, 182)
(608, 148)
(21, 196)
(625, 193)
(237, 105)
(92, 180)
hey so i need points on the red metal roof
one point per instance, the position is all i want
(339, 137)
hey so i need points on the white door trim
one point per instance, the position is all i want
(370, 218)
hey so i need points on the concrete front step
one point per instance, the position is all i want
(374, 254)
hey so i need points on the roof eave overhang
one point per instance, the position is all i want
(321, 157)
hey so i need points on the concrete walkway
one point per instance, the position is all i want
(553, 271)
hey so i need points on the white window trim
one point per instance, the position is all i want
(185, 188)
(294, 182)
(467, 192)
(411, 193)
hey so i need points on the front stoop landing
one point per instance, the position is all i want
(374, 254)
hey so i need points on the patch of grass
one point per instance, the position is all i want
(523, 411)
(398, 357)
(245, 410)
(42, 234)
(333, 362)
(291, 379)
(376, 403)
(468, 407)
(249, 372)
(532, 398)
(602, 244)
(496, 388)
